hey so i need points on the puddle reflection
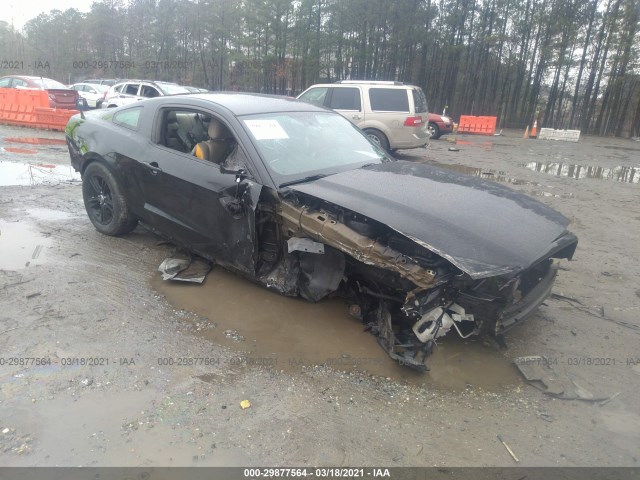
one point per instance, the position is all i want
(36, 140)
(19, 150)
(21, 245)
(15, 173)
(486, 173)
(566, 170)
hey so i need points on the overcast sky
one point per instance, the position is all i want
(21, 11)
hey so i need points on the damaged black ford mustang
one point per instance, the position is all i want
(294, 197)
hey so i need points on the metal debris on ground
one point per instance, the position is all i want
(574, 302)
(604, 402)
(538, 373)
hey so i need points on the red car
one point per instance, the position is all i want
(439, 125)
(59, 95)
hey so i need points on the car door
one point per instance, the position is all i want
(149, 91)
(91, 95)
(128, 94)
(196, 204)
(347, 101)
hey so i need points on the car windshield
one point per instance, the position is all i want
(170, 89)
(297, 145)
(47, 83)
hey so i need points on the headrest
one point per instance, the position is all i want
(218, 131)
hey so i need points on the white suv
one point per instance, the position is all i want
(129, 91)
(392, 114)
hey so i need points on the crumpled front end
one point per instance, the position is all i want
(406, 295)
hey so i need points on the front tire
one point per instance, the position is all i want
(378, 138)
(105, 204)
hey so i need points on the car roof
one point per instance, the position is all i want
(89, 84)
(241, 103)
(138, 80)
(366, 83)
(29, 77)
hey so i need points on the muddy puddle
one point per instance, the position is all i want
(291, 334)
(484, 144)
(17, 173)
(566, 170)
(21, 245)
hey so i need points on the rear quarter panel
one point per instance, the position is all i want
(97, 139)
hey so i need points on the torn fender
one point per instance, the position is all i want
(321, 227)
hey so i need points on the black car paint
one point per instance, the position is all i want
(482, 228)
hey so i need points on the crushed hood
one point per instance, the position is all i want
(483, 228)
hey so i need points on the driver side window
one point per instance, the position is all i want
(182, 130)
(203, 136)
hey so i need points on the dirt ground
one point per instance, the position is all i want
(102, 363)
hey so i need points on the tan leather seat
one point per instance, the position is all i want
(218, 146)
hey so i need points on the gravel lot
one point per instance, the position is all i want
(114, 388)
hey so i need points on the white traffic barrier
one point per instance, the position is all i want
(564, 135)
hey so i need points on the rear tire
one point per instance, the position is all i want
(378, 138)
(434, 131)
(105, 204)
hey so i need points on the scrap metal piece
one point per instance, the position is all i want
(304, 245)
(538, 373)
(184, 268)
(411, 355)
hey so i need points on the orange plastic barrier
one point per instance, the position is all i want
(479, 125)
(53, 118)
(30, 108)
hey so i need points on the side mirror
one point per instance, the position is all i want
(240, 173)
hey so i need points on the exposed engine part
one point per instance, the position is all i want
(438, 321)
(400, 345)
(320, 226)
(355, 311)
(320, 275)
(268, 235)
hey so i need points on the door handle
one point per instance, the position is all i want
(153, 166)
(356, 117)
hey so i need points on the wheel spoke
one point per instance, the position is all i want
(94, 182)
(93, 201)
(103, 214)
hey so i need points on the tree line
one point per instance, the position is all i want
(566, 63)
